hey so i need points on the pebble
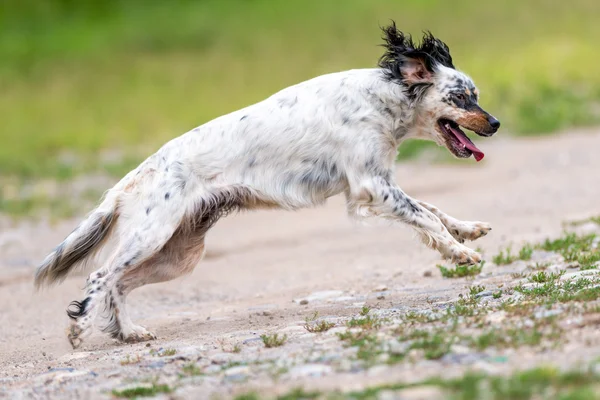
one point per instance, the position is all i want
(312, 370)
(221, 358)
(212, 369)
(397, 348)
(377, 370)
(496, 317)
(319, 296)
(427, 274)
(58, 375)
(579, 274)
(237, 374)
(156, 364)
(547, 313)
(485, 293)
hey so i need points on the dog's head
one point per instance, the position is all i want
(445, 99)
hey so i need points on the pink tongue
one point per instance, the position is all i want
(478, 154)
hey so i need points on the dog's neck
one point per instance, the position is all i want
(399, 112)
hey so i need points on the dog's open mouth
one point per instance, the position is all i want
(457, 141)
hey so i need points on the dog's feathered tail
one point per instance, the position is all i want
(86, 240)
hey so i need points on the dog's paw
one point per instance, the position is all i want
(73, 334)
(469, 230)
(462, 255)
(139, 334)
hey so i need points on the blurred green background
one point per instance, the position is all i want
(96, 86)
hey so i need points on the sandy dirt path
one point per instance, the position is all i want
(258, 263)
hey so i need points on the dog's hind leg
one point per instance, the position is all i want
(179, 257)
(140, 238)
(461, 230)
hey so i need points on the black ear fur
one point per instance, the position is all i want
(400, 47)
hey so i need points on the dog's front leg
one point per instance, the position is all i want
(377, 196)
(461, 230)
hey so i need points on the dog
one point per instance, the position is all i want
(336, 133)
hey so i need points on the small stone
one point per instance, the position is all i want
(221, 358)
(427, 274)
(418, 393)
(547, 313)
(377, 370)
(458, 349)
(237, 374)
(381, 297)
(322, 295)
(485, 293)
(496, 317)
(312, 370)
(380, 288)
(303, 302)
(267, 313)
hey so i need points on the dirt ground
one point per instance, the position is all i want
(260, 265)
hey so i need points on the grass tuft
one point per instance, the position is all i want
(461, 271)
(273, 340)
(142, 391)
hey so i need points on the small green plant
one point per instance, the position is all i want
(128, 360)
(191, 369)
(461, 271)
(575, 248)
(314, 326)
(273, 340)
(142, 391)
(247, 396)
(475, 290)
(163, 353)
(298, 394)
(541, 266)
(497, 295)
(321, 326)
(526, 252)
(364, 311)
(542, 277)
(367, 322)
(435, 345)
(504, 257)
(413, 316)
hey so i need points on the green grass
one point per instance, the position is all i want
(273, 340)
(191, 369)
(142, 391)
(545, 382)
(79, 80)
(461, 271)
(314, 326)
(504, 257)
(526, 252)
(573, 247)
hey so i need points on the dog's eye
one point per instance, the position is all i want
(459, 96)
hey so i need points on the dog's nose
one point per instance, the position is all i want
(494, 123)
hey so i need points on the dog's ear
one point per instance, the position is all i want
(415, 69)
(404, 61)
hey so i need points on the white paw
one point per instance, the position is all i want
(462, 255)
(469, 230)
(138, 334)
